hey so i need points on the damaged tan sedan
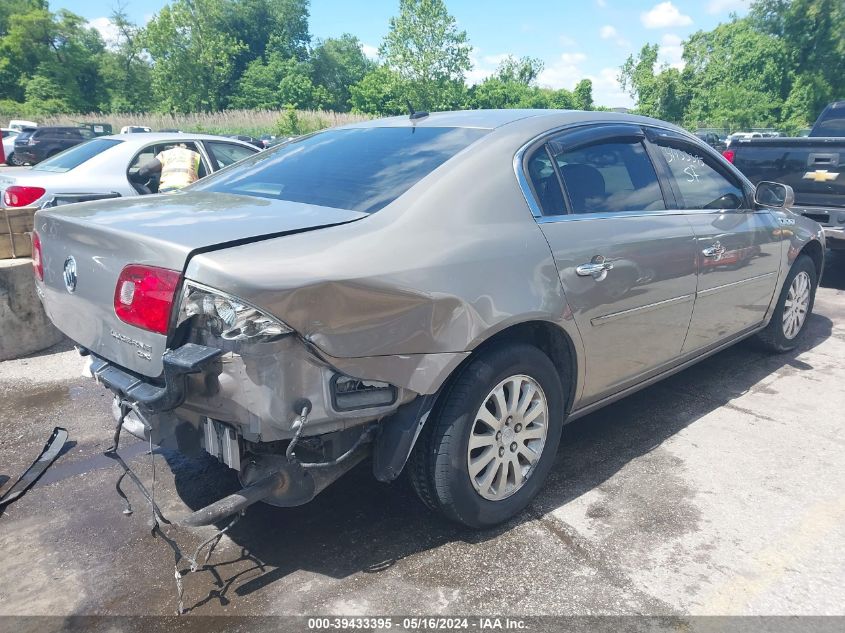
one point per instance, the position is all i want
(439, 293)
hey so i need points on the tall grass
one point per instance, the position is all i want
(249, 122)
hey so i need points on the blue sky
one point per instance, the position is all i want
(575, 39)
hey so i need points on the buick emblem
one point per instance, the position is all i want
(70, 274)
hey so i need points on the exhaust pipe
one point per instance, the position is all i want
(236, 502)
(276, 481)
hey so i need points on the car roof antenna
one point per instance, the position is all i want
(414, 114)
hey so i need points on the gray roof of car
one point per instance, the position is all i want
(152, 137)
(493, 119)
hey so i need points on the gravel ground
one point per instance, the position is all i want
(717, 491)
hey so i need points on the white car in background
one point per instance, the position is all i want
(9, 145)
(107, 167)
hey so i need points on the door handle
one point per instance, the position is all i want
(717, 250)
(597, 268)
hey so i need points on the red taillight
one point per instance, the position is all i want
(729, 155)
(144, 296)
(37, 263)
(17, 196)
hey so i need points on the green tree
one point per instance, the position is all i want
(582, 96)
(337, 64)
(125, 70)
(812, 33)
(524, 70)
(380, 91)
(193, 56)
(736, 75)
(59, 47)
(43, 97)
(277, 83)
(266, 26)
(429, 53)
(662, 94)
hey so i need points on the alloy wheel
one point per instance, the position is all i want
(507, 437)
(796, 305)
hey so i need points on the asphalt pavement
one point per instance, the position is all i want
(718, 491)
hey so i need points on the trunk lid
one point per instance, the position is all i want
(165, 231)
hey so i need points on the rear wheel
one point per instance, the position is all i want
(793, 308)
(494, 438)
(13, 161)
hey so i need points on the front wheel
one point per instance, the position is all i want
(12, 160)
(794, 307)
(494, 437)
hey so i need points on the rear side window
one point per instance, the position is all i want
(608, 177)
(545, 183)
(699, 184)
(224, 154)
(76, 155)
(362, 169)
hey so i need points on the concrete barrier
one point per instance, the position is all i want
(24, 327)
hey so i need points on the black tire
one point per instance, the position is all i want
(438, 467)
(11, 161)
(773, 338)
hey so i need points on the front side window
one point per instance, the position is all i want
(149, 184)
(608, 177)
(698, 183)
(362, 169)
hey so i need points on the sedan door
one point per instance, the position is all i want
(738, 248)
(626, 264)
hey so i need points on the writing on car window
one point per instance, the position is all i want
(699, 184)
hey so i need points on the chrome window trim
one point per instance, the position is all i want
(534, 207)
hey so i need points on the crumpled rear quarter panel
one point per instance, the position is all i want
(448, 264)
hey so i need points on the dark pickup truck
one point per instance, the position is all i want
(813, 166)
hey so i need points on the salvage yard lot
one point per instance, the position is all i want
(718, 491)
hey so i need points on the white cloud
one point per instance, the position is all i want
(664, 15)
(723, 6)
(567, 42)
(601, 3)
(369, 51)
(108, 31)
(607, 91)
(565, 72)
(608, 32)
(671, 51)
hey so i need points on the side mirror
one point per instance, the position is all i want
(774, 195)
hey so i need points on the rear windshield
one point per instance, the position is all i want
(831, 123)
(76, 155)
(362, 169)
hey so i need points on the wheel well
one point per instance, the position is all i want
(813, 250)
(548, 338)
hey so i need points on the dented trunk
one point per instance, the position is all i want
(101, 238)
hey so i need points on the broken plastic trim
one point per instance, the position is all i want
(48, 455)
(178, 363)
(349, 394)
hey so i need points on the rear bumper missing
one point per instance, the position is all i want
(178, 364)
